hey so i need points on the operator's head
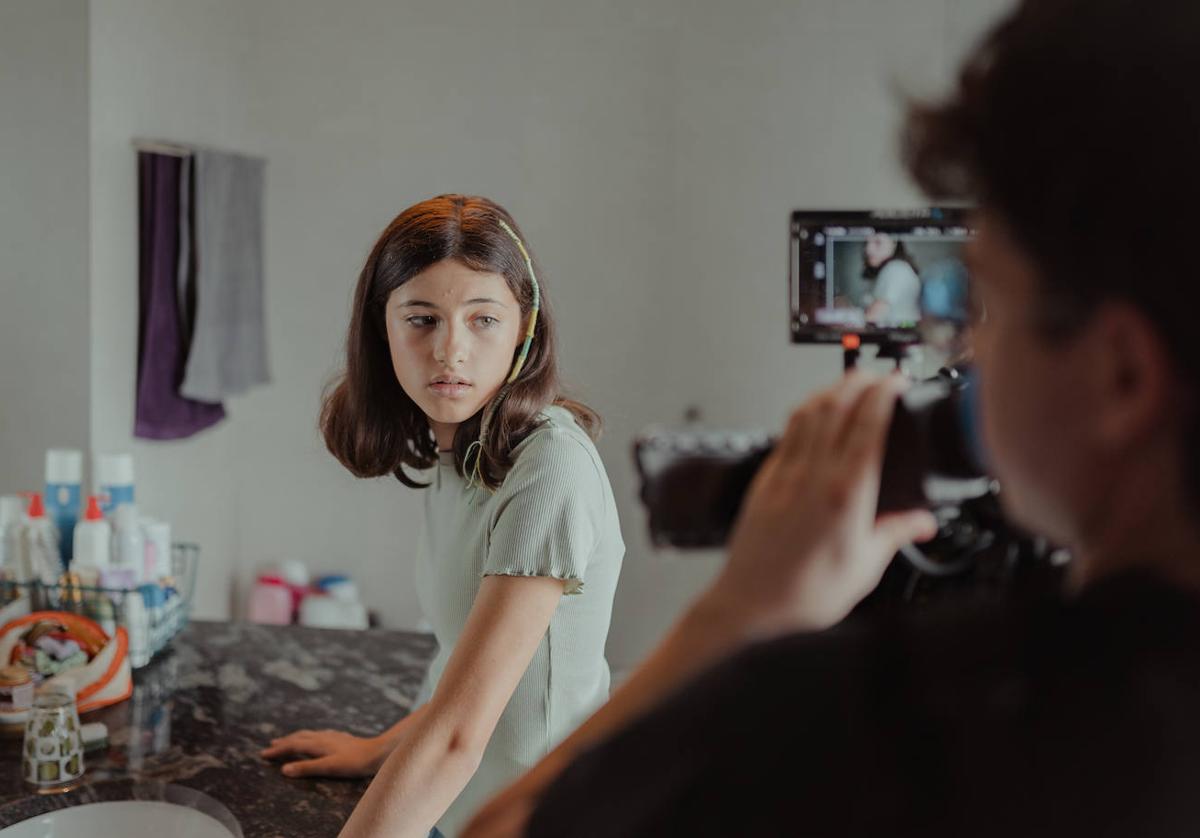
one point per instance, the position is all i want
(1072, 130)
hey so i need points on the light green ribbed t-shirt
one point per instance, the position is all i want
(554, 515)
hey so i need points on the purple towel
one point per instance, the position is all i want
(162, 413)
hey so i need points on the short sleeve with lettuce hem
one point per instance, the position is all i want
(548, 513)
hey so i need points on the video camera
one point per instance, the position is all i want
(896, 280)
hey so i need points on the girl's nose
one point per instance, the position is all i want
(450, 346)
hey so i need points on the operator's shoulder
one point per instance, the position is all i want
(897, 649)
(1117, 629)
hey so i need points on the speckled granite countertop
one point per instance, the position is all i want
(200, 715)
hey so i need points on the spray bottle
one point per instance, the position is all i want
(12, 516)
(93, 539)
(39, 556)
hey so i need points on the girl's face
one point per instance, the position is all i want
(878, 249)
(453, 333)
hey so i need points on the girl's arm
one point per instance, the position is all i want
(711, 629)
(437, 753)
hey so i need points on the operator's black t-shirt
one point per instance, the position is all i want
(1060, 718)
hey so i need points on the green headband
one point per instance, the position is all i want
(537, 305)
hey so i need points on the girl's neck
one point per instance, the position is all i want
(443, 433)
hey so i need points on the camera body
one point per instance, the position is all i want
(693, 481)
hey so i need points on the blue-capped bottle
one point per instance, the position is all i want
(64, 495)
(113, 479)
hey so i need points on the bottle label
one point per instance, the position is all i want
(113, 496)
(63, 505)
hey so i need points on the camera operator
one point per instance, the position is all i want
(1075, 130)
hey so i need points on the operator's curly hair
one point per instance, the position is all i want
(1071, 122)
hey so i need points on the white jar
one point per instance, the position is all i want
(157, 535)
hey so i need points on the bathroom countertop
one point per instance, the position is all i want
(201, 713)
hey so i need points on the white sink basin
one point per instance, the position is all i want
(120, 817)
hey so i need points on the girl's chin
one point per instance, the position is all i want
(450, 414)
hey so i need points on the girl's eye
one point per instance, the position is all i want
(420, 320)
(487, 321)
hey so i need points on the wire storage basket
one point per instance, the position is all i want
(152, 614)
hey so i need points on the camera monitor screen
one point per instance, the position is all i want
(878, 275)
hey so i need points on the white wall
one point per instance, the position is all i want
(43, 235)
(650, 151)
(174, 70)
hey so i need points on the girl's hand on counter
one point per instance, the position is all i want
(330, 753)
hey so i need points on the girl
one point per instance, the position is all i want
(896, 299)
(451, 369)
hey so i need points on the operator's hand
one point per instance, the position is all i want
(807, 546)
(331, 753)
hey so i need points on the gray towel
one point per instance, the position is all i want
(228, 353)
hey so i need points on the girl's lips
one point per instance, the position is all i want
(449, 391)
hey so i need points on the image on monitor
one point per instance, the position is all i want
(879, 275)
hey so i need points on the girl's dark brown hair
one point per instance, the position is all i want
(1077, 123)
(901, 254)
(370, 424)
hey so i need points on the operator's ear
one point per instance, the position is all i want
(1131, 374)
